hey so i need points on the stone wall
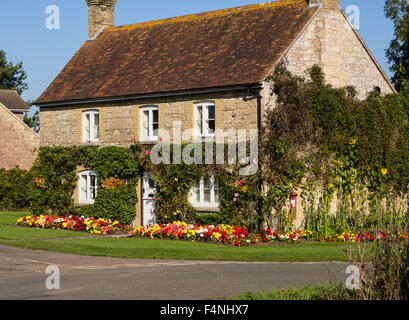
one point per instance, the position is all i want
(120, 122)
(17, 142)
(331, 42)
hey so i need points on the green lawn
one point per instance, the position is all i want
(323, 292)
(159, 249)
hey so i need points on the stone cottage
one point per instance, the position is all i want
(205, 71)
(18, 143)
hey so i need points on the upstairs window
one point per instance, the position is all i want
(88, 187)
(149, 123)
(91, 126)
(205, 121)
(206, 193)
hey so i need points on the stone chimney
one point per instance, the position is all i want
(327, 4)
(100, 15)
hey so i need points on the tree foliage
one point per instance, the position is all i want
(12, 76)
(398, 53)
(32, 121)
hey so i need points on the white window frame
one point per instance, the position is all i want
(205, 119)
(214, 187)
(92, 133)
(150, 136)
(85, 198)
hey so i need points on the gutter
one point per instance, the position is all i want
(257, 85)
(19, 110)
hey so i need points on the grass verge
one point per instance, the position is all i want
(322, 292)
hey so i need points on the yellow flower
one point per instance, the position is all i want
(352, 141)
(384, 171)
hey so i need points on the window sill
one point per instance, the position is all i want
(206, 209)
(90, 143)
(84, 204)
(148, 141)
(205, 137)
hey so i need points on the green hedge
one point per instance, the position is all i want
(15, 189)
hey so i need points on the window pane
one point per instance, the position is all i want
(200, 127)
(196, 195)
(96, 126)
(207, 183)
(200, 113)
(145, 126)
(206, 196)
(87, 125)
(216, 196)
(211, 126)
(151, 184)
(93, 180)
(83, 188)
(155, 129)
(199, 119)
(155, 114)
(211, 112)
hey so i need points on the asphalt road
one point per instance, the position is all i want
(23, 276)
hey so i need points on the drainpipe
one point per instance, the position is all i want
(259, 97)
(260, 183)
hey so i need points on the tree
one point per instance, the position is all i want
(34, 121)
(12, 76)
(398, 52)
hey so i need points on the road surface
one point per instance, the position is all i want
(23, 276)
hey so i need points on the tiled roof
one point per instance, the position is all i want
(12, 100)
(212, 49)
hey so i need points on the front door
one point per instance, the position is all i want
(148, 200)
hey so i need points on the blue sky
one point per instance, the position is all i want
(44, 52)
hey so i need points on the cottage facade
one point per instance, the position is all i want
(204, 71)
(18, 143)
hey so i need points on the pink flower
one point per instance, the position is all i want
(234, 199)
(160, 139)
(230, 170)
(236, 195)
(147, 152)
(132, 141)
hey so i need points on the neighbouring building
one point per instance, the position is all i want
(131, 81)
(18, 143)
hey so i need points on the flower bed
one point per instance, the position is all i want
(91, 225)
(366, 236)
(222, 234)
(225, 234)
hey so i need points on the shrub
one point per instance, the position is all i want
(56, 168)
(15, 189)
(114, 204)
(384, 272)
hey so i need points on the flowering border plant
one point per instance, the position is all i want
(91, 225)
